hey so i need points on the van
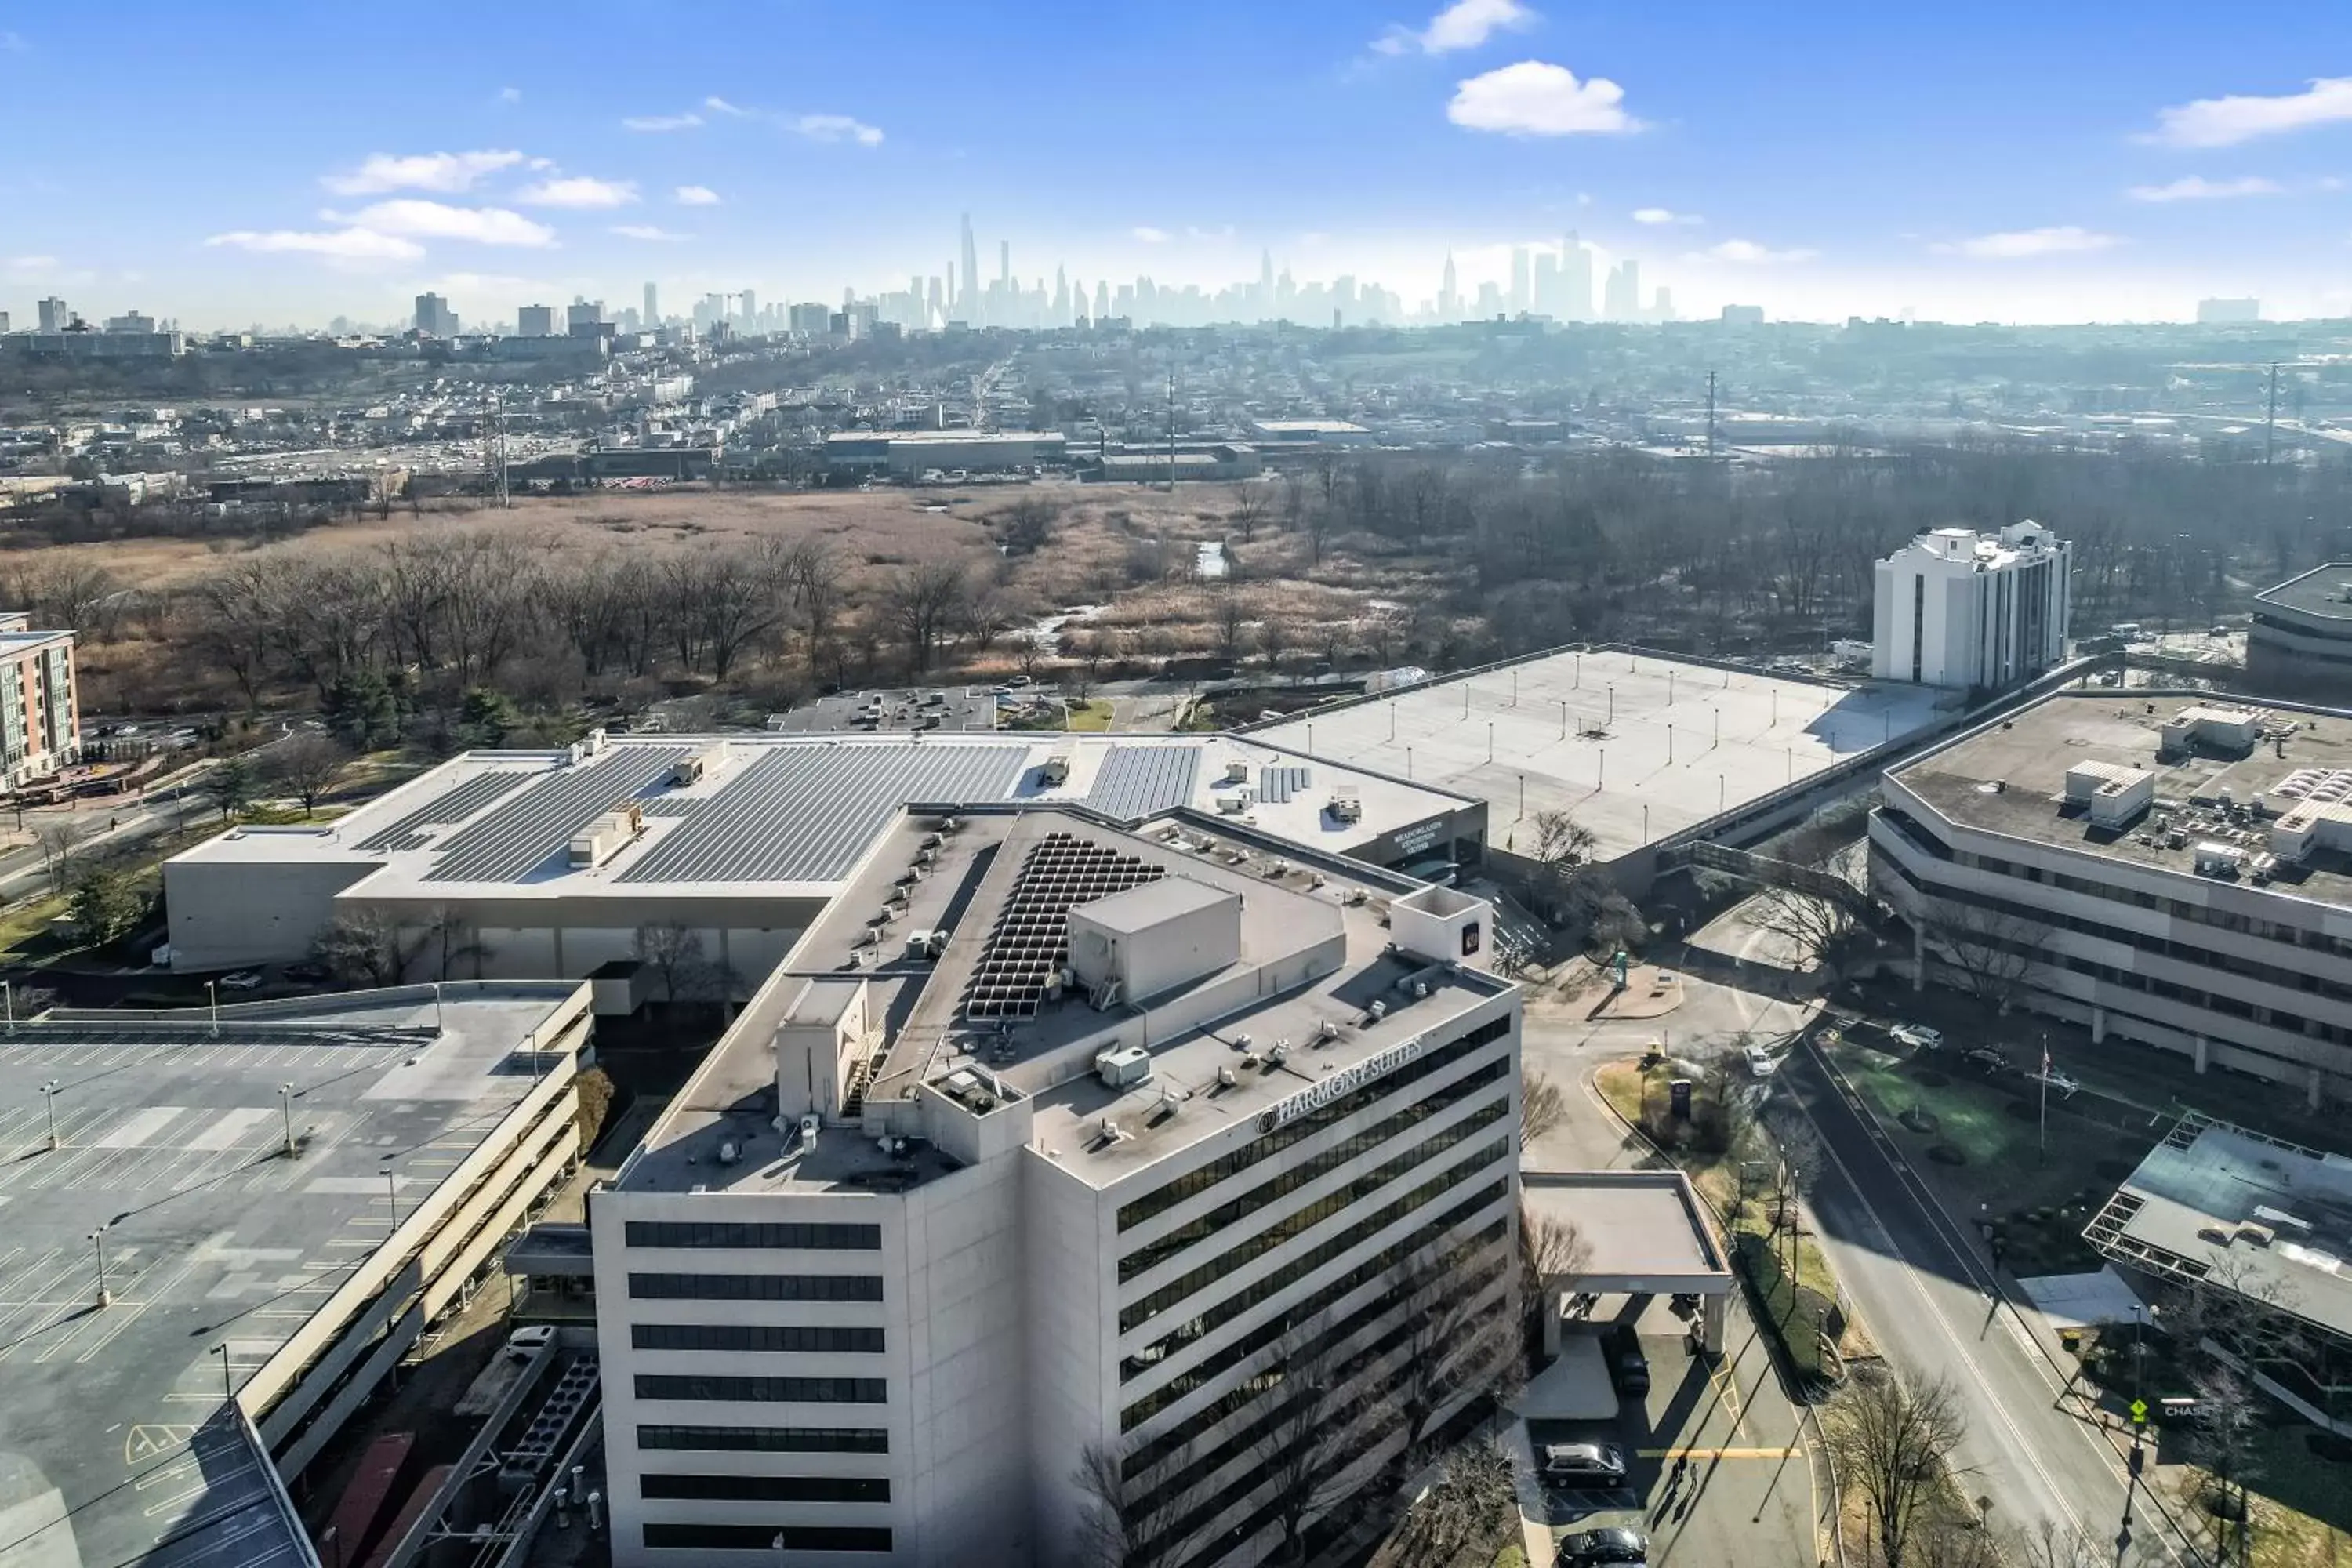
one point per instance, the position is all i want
(1599, 1467)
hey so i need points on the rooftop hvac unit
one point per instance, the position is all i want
(1110, 1132)
(1236, 769)
(1123, 1065)
(1281, 1052)
(1056, 771)
(728, 1153)
(1346, 804)
(809, 1125)
(1379, 1010)
(1227, 1077)
(1170, 1102)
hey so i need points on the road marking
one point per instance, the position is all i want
(1716, 1453)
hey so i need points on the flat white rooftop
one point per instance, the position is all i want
(1635, 746)
(789, 815)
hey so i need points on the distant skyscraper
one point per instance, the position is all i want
(535, 321)
(1622, 295)
(1664, 310)
(1102, 299)
(1061, 298)
(1522, 296)
(1004, 264)
(54, 314)
(1543, 293)
(936, 304)
(969, 304)
(435, 318)
(1449, 297)
(652, 309)
(1265, 284)
(1575, 281)
(750, 316)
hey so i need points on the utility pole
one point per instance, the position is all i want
(1171, 421)
(1710, 413)
(2270, 420)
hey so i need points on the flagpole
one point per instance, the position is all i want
(2043, 1151)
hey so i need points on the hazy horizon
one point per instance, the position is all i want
(2030, 165)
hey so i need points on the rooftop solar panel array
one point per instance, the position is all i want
(805, 814)
(1137, 781)
(450, 806)
(1031, 938)
(1275, 785)
(520, 835)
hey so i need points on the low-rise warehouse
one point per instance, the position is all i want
(546, 864)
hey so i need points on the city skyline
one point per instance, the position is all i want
(2016, 170)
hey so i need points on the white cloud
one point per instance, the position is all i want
(647, 231)
(339, 245)
(578, 190)
(31, 263)
(2197, 188)
(2226, 121)
(1665, 214)
(13, 43)
(509, 95)
(720, 106)
(439, 220)
(1464, 24)
(837, 128)
(2015, 244)
(1535, 98)
(657, 122)
(447, 173)
(697, 196)
(1748, 253)
(1148, 235)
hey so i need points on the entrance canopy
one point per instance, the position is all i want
(1644, 1232)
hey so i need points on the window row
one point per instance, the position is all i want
(1298, 1221)
(1199, 1179)
(1180, 1437)
(749, 1233)
(755, 1287)
(761, 1390)
(765, 1439)
(813, 1338)
(767, 1488)
(1471, 1273)
(767, 1538)
(1323, 1163)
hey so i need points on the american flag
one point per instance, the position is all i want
(2045, 1058)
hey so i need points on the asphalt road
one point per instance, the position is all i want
(1928, 1298)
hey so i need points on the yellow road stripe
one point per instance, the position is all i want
(1716, 1453)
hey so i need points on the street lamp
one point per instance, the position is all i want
(98, 1240)
(49, 1101)
(212, 1005)
(392, 1194)
(286, 1107)
(228, 1383)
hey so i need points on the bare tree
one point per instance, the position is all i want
(1458, 1522)
(367, 947)
(1989, 951)
(1549, 1249)
(1455, 1344)
(1232, 619)
(307, 765)
(1893, 1444)
(1542, 1107)
(923, 603)
(675, 950)
(1815, 923)
(1318, 1446)
(1124, 1523)
(457, 938)
(1251, 505)
(57, 839)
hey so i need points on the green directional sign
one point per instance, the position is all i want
(2139, 1412)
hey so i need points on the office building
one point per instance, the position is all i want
(1099, 1144)
(2228, 312)
(1743, 315)
(54, 314)
(1522, 287)
(1984, 612)
(810, 320)
(1548, 294)
(434, 317)
(131, 321)
(969, 306)
(535, 321)
(748, 315)
(2171, 874)
(2300, 644)
(1575, 281)
(1622, 295)
(586, 318)
(40, 709)
(226, 1231)
(652, 311)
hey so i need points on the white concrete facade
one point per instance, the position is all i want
(1030, 1285)
(1957, 608)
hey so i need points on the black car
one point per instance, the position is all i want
(1587, 1548)
(1986, 1059)
(1629, 1369)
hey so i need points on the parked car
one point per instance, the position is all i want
(243, 980)
(309, 973)
(1760, 1062)
(1629, 1369)
(523, 1344)
(1589, 1548)
(1918, 1036)
(1986, 1059)
(1599, 1467)
(2061, 1084)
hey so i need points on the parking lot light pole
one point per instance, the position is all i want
(49, 1099)
(286, 1106)
(212, 1005)
(98, 1240)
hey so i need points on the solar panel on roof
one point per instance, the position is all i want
(1137, 781)
(525, 833)
(450, 806)
(1031, 938)
(805, 814)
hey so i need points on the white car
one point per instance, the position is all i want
(1918, 1036)
(1760, 1062)
(243, 980)
(2062, 1084)
(523, 1344)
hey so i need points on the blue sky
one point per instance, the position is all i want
(273, 162)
